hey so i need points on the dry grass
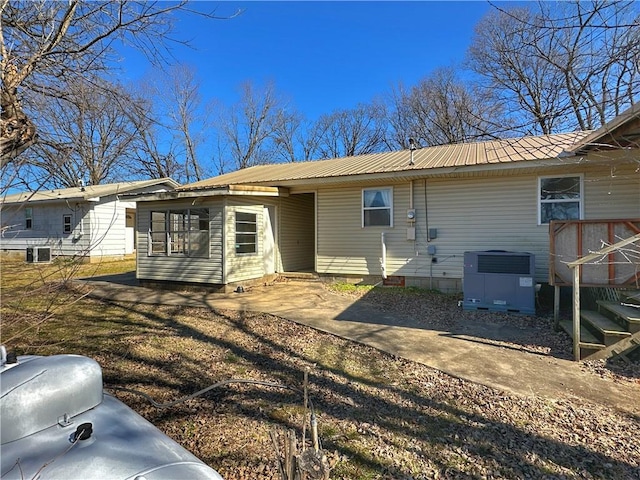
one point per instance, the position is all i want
(381, 417)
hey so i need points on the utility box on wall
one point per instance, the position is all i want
(499, 281)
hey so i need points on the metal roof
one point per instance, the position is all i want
(91, 192)
(623, 131)
(425, 160)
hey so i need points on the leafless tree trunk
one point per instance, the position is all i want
(248, 128)
(441, 110)
(352, 132)
(559, 66)
(87, 136)
(45, 44)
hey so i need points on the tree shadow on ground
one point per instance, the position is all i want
(369, 413)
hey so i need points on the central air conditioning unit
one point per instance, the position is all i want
(38, 254)
(499, 281)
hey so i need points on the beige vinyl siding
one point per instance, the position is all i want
(296, 232)
(473, 214)
(612, 193)
(239, 267)
(178, 268)
(345, 247)
(470, 214)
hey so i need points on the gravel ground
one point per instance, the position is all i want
(380, 416)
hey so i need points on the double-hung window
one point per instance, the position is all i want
(377, 207)
(28, 218)
(179, 232)
(66, 223)
(246, 233)
(559, 198)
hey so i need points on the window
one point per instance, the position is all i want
(66, 224)
(180, 232)
(158, 234)
(246, 233)
(28, 218)
(560, 198)
(377, 207)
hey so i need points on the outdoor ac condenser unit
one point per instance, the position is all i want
(38, 254)
(499, 281)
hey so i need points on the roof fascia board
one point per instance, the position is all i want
(44, 201)
(232, 190)
(608, 130)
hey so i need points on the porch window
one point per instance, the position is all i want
(66, 224)
(158, 234)
(28, 218)
(180, 232)
(246, 232)
(377, 207)
(559, 198)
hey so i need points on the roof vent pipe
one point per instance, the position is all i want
(412, 147)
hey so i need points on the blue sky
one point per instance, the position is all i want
(325, 55)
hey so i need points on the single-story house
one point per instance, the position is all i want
(408, 216)
(91, 222)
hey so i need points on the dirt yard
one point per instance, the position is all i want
(380, 417)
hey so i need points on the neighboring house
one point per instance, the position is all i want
(90, 222)
(408, 215)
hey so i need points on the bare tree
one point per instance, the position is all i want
(441, 110)
(87, 136)
(46, 44)
(248, 128)
(561, 65)
(357, 131)
(177, 120)
(152, 156)
(296, 138)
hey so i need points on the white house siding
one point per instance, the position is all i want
(241, 267)
(296, 232)
(107, 229)
(47, 228)
(469, 213)
(179, 268)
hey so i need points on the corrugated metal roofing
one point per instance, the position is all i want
(621, 131)
(495, 152)
(88, 192)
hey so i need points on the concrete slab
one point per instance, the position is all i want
(462, 354)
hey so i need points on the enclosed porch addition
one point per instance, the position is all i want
(225, 236)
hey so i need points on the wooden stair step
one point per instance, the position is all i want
(630, 296)
(614, 350)
(604, 324)
(586, 337)
(631, 314)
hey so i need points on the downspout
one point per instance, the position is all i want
(383, 260)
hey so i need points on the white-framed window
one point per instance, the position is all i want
(66, 223)
(246, 233)
(377, 207)
(560, 198)
(179, 232)
(28, 218)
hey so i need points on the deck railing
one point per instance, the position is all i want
(577, 265)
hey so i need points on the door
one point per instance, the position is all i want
(269, 241)
(130, 232)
